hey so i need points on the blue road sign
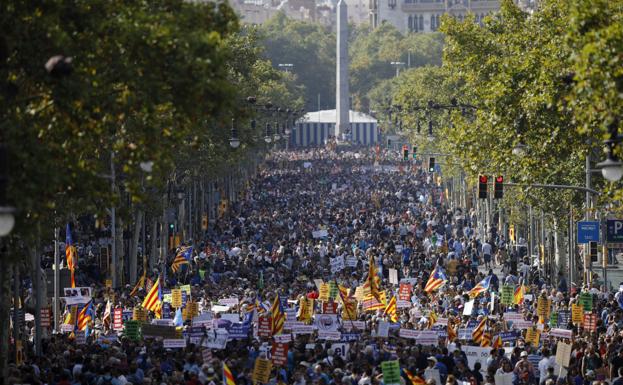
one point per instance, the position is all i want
(588, 232)
(614, 231)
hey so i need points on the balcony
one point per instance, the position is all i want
(423, 6)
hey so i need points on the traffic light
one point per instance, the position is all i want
(431, 164)
(482, 186)
(414, 151)
(171, 226)
(593, 251)
(405, 152)
(498, 187)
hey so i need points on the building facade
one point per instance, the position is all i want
(425, 15)
(316, 128)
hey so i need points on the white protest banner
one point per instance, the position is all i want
(232, 317)
(563, 354)
(174, 343)
(320, 233)
(469, 306)
(216, 339)
(393, 276)
(513, 316)
(203, 319)
(477, 354)
(408, 333)
(330, 336)
(231, 302)
(318, 283)
(68, 328)
(351, 261)
(349, 325)
(441, 321)
(400, 304)
(305, 329)
(283, 338)
(81, 339)
(522, 324)
(561, 333)
(290, 314)
(77, 295)
(341, 350)
(428, 337)
(337, 264)
(383, 329)
(327, 322)
(504, 379)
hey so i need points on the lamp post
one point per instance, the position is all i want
(612, 168)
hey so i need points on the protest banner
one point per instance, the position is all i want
(261, 370)
(391, 372)
(279, 353)
(176, 298)
(577, 314)
(506, 296)
(265, 326)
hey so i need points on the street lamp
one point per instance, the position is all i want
(612, 168)
(234, 142)
(520, 149)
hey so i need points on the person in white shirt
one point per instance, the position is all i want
(546, 362)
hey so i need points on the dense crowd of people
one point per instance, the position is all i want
(318, 230)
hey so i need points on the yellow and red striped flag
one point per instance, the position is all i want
(391, 310)
(278, 316)
(479, 331)
(71, 255)
(153, 299)
(519, 294)
(415, 380)
(228, 377)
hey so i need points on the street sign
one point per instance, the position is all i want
(614, 231)
(589, 231)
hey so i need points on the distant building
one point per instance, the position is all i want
(315, 128)
(425, 15)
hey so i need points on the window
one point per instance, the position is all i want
(410, 23)
(421, 23)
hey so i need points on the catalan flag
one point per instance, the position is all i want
(183, 257)
(415, 380)
(228, 377)
(519, 294)
(479, 331)
(391, 310)
(436, 280)
(373, 282)
(71, 254)
(485, 341)
(480, 287)
(153, 299)
(278, 316)
(140, 284)
(72, 315)
(85, 316)
(452, 334)
(432, 318)
(497, 342)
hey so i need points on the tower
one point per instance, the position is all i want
(342, 97)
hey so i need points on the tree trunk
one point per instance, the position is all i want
(5, 311)
(560, 251)
(119, 249)
(138, 217)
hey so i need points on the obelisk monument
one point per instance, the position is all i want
(342, 97)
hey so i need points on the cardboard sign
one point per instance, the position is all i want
(45, 317)
(393, 276)
(131, 329)
(341, 350)
(586, 300)
(543, 307)
(383, 329)
(563, 354)
(404, 292)
(306, 309)
(323, 294)
(359, 295)
(174, 343)
(532, 336)
(329, 335)
(391, 372)
(337, 264)
(265, 324)
(469, 307)
(176, 298)
(166, 332)
(428, 337)
(261, 370)
(507, 295)
(577, 314)
(108, 283)
(231, 302)
(561, 333)
(408, 333)
(279, 353)
(139, 314)
(590, 322)
(207, 356)
(216, 339)
(117, 319)
(329, 307)
(351, 261)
